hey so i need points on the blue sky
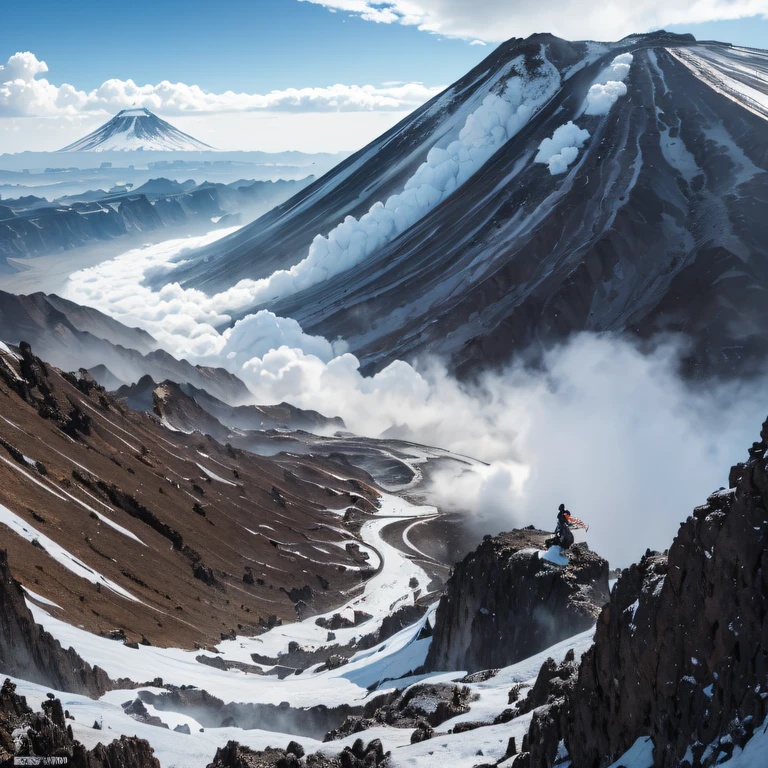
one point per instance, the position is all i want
(250, 45)
(242, 45)
(267, 48)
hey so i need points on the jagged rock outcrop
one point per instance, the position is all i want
(359, 755)
(681, 649)
(47, 734)
(421, 707)
(211, 712)
(29, 652)
(504, 602)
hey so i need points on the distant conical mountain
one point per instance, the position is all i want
(137, 129)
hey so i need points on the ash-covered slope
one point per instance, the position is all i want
(137, 129)
(124, 528)
(656, 225)
(506, 601)
(189, 408)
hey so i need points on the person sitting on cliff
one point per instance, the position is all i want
(563, 535)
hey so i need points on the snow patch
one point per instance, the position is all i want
(554, 555)
(639, 755)
(563, 148)
(609, 86)
(214, 476)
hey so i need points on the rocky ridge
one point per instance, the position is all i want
(687, 633)
(505, 602)
(24, 733)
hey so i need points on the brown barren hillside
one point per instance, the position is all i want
(171, 537)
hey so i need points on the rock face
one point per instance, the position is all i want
(359, 755)
(681, 649)
(421, 706)
(29, 652)
(687, 634)
(47, 734)
(504, 603)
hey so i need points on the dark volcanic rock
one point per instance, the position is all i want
(680, 651)
(686, 634)
(421, 707)
(29, 652)
(234, 755)
(503, 603)
(47, 734)
(211, 712)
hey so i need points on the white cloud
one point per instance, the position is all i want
(23, 93)
(265, 131)
(477, 42)
(498, 20)
(600, 426)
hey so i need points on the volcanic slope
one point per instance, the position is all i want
(114, 522)
(653, 222)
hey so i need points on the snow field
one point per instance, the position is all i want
(177, 750)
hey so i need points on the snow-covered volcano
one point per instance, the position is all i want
(137, 129)
(558, 187)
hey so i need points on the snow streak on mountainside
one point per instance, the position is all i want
(495, 121)
(137, 129)
(657, 227)
(652, 224)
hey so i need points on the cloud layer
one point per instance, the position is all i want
(600, 426)
(497, 20)
(23, 92)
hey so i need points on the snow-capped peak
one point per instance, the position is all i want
(137, 129)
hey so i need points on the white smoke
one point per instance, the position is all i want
(608, 430)
(600, 426)
(23, 93)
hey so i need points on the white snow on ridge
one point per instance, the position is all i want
(137, 129)
(497, 119)
(563, 148)
(717, 70)
(609, 86)
(58, 553)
